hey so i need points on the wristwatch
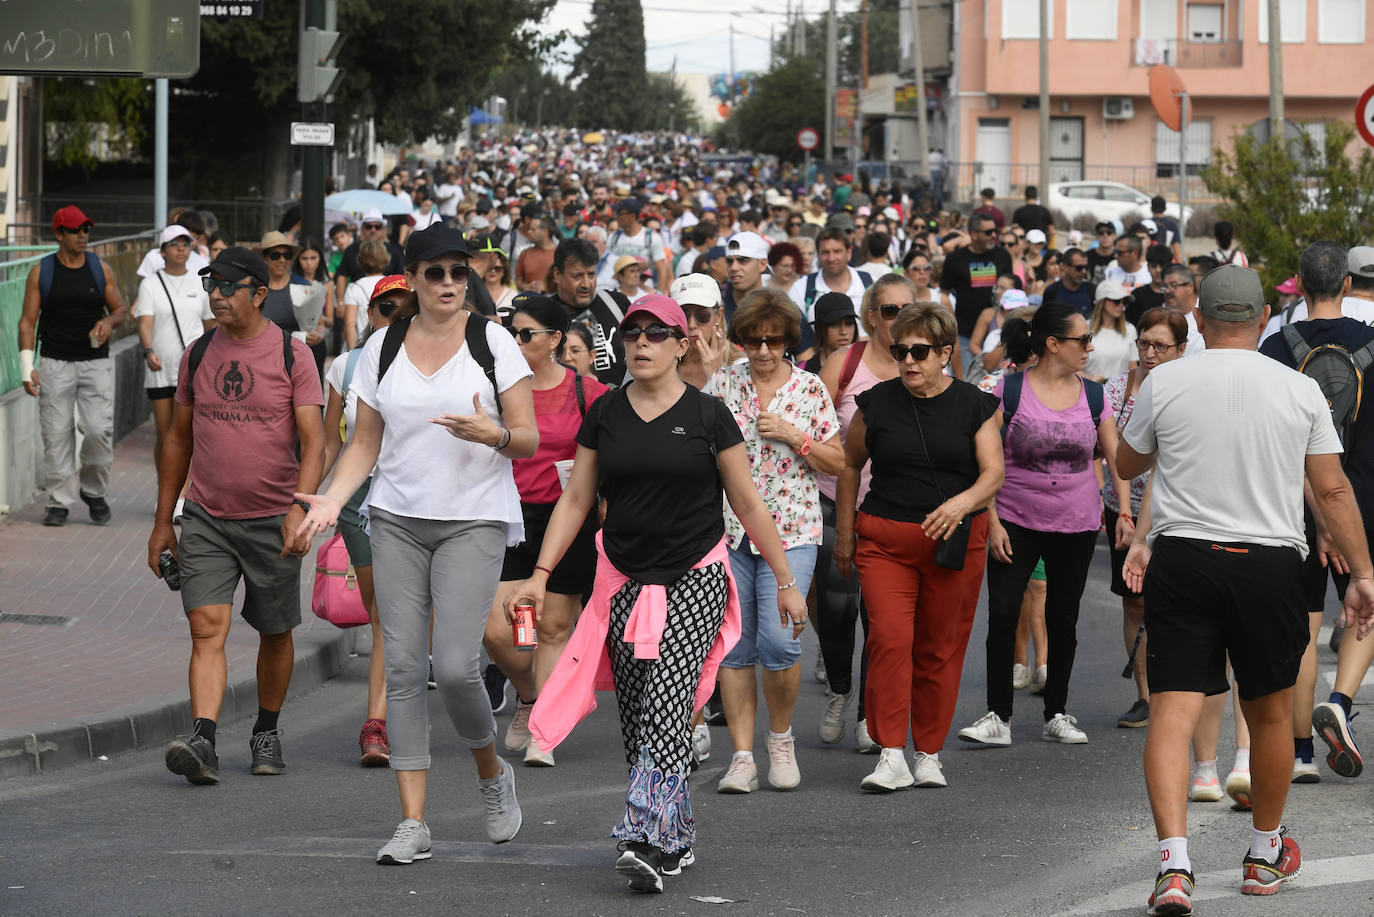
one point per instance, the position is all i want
(302, 504)
(147, 350)
(805, 449)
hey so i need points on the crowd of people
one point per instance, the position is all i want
(852, 409)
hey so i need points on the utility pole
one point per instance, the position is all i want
(317, 79)
(863, 44)
(160, 154)
(1275, 72)
(1044, 97)
(830, 75)
(922, 137)
(732, 61)
(801, 29)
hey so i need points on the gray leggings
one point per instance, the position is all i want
(453, 568)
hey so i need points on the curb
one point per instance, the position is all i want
(27, 752)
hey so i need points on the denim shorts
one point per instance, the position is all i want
(762, 637)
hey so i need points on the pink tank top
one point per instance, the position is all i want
(863, 381)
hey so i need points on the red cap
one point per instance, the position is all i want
(70, 217)
(1288, 287)
(390, 284)
(660, 307)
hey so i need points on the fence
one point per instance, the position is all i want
(241, 219)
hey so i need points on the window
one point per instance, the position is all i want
(1340, 22)
(1204, 22)
(1292, 21)
(1123, 195)
(1088, 19)
(1021, 19)
(1198, 149)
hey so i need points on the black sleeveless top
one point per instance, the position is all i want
(71, 310)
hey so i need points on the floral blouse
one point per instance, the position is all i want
(784, 478)
(1115, 391)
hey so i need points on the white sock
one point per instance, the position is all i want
(1265, 845)
(746, 755)
(780, 735)
(1204, 769)
(1173, 854)
(1242, 759)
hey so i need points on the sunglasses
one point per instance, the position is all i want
(656, 334)
(918, 351)
(772, 341)
(81, 230)
(1077, 267)
(920, 267)
(525, 335)
(1177, 286)
(226, 287)
(277, 255)
(386, 306)
(182, 242)
(889, 310)
(435, 273)
(1084, 340)
(700, 315)
(374, 226)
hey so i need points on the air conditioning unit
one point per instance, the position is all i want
(1117, 108)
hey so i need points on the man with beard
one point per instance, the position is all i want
(574, 288)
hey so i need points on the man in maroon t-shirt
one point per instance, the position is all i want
(247, 427)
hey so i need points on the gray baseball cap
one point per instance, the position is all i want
(1231, 285)
(1361, 261)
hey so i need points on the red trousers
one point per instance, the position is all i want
(919, 619)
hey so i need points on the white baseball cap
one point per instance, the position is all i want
(696, 290)
(175, 231)
(747, 245)
(373, 216)
(1036, 237)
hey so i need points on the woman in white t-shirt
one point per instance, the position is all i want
(1114, 349)
(172, 310)
(440, 429)
(373, 258)
(391, 299)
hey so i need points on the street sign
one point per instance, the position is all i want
(808, 139)
(1364, 116)
(139, 38)
(311, 133)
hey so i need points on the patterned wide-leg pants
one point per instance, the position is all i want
(656, 698)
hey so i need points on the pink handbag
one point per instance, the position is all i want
(336, 598)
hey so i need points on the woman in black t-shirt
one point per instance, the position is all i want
(937, 460)
(664, 606)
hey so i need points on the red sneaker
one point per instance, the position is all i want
(1264, 878)
(373, 742)
(1173, 894)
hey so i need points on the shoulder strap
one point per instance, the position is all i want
(811, 289)
(851, 366)
(1011, 397)
(581, 395)
(1363, 357)
(172, 302)
(349, 366)
(708, 419)
(611, 306)
(1297, 344)
(193, 362)
(480, 348)
(391, 345)
(1096, 398)
(866, 279)
(1288, 311)
(45, 271)
(288, 356)
(97, 271)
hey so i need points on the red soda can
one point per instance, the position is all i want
(525, 637)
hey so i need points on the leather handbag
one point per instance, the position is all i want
(949, 552)
(336, 598)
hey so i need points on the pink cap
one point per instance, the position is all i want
(1289, 287)
(660, 307)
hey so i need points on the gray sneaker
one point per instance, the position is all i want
(503, 809)
(408, 844)
(267, 759)
(832, 716)
(193, 758)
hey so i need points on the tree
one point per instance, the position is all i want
(1283, 196)
(787, 98)
(610, 65)
(884, 29)
(80, 112)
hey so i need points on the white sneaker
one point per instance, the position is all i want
(863, 741)
(1064, 729)
(701, 743)
(408, 844)
(1306, 771)
(928, 771)
(742, 777)
(1238, 788)
(1205, 787)
(989, 729)
(536, 756)
(518, 732)
(890, 774)
(783, 772)
(504, 817)
(1020, 676)
(821, 676)
(1037, 682)
(832, 716)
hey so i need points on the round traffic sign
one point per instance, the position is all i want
(1364, 116)
(808, 139)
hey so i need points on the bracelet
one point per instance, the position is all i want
(504, 441)
(545, 569)
(302, 504)
(1124, 515)
(791, 585)
(147, 350)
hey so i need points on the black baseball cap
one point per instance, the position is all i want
(531, 210)
(438, 239)
(630, 204)
(832, 308)
(236, 263)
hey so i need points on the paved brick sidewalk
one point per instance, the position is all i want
(121, 651)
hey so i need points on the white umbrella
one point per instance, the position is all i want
(359, 200)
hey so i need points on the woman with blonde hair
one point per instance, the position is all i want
(1114, 350)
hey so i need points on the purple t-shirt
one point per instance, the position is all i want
(1050, 485)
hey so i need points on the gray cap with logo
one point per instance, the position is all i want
(1232, 286)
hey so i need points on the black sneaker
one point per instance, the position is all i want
(430, 681)
(674, 863)
(100, 510)
(193, 758)
(495, 681)
(266, 748)
(1136, 717)
(55, 516)
(640, 862)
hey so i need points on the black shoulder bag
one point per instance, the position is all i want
(949, 552)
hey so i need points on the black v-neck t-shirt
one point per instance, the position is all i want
(664, 508)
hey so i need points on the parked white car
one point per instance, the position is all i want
(1104, 200)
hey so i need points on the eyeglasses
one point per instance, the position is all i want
(1106, 232)
(700, 315)
(226, 287)
(889, 310)
(525, 335)
(277, 254)
(918, 351)
(656, 334)
(1084, 340)
(1176, 285)
(435, 273)
(386, 306)
(81, 230)
(760, 342)
(1152, 347)
(374, 226)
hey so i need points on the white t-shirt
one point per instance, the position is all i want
(426, 220)
(423, 471)
(154, 262)
(1232, 428)
(359, 293)
(1139, 278)
(687, 263)
(1195, 344)
(1112, 352)
(1361, 310)
(188, 307)
(855, 292)
(643, 244)
(453, 193)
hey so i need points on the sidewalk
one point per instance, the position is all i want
(102, 669)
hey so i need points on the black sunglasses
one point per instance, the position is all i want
(277, 255)
(1084, 340)
(773, 341)
(701, 315)
(226, 287)
(435, 273)
(889, 310)
(374, 226)
(1076, 267)
(386, 306)
(81, 230)
(656, 334)
(525, 335)
(918, 351)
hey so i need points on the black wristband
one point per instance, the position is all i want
(302, 504)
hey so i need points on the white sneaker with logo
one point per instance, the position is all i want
(1064, 729)
(989, 729)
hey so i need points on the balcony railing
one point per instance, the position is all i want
(1146, 52)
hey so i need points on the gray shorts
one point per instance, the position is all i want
(352, 526)
(216, 553)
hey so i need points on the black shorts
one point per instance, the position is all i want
(575, 573)
(162, 393)
(1314, 575)
(1204, 600)
(1118, 555)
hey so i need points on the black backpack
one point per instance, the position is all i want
(478, 346)
(1340, 374)
(202, 344)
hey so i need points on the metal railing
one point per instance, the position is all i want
(241, 219)
(1179, 52)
